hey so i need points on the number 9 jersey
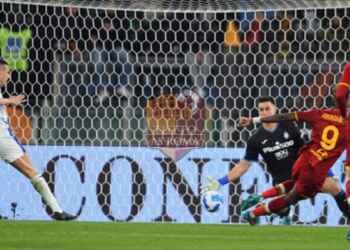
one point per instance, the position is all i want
(327, 135)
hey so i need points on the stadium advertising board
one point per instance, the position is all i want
(142, 185)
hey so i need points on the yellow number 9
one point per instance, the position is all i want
(329, 142)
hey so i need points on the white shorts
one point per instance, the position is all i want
(10, 149)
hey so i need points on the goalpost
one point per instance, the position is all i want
(99, 75)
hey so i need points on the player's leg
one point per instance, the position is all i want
(25, 166)
(287, 185)
(283, 215)
(332, 187)
(283, 188)
(13, 153)
(277, 190)
(274, 206)
(324, 182)
(302, 175)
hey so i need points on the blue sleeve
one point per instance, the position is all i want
(330, 173)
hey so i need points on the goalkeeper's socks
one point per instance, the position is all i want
(279, 189)
(342, 203)
(224, 180)
(43, 189)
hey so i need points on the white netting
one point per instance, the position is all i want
(194, 5)
(94, 67)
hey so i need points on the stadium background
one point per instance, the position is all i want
(93, 67)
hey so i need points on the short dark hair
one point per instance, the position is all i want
(2, 61)
(265, 99)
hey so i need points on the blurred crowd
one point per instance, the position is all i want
(105, 65)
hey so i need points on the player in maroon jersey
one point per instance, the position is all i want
(316, 158)
(342, 98)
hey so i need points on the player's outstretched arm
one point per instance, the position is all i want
(246, 121)
(14, 100)
(238, 170)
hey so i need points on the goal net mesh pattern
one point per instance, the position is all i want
(94, 68)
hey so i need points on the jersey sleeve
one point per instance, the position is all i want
(251, 152)
(342, 89)
(310, 116)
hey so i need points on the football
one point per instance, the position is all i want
(212, 200)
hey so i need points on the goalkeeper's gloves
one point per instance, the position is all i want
(211, 185)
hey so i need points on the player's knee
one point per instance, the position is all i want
(294, 196)
(331, 186)
(292, 200)
(32, 173)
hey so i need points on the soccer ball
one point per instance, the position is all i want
(212, 201)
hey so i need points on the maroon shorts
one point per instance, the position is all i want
(308, 178)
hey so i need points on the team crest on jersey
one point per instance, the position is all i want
(176, 123)
(286, 135)
(264, 141)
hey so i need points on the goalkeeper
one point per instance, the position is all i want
(278, 144)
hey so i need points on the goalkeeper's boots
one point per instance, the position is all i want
(252, 200)
(250, 218)
(348, 235)
(63, 216)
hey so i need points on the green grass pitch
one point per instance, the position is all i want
(137, 236)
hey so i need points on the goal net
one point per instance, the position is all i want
(132, 104)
